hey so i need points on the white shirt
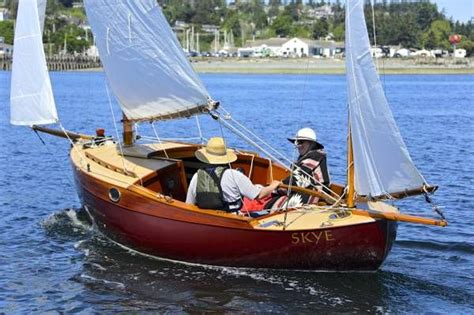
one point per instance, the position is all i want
(234, 185)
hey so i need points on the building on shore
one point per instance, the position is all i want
(294, 47)
(5, 49)
(4, 14)
(297, 47)
(265, 47)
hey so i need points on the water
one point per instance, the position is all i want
(51, 260)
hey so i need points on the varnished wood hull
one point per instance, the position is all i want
(164, 230)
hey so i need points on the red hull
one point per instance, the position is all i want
(356, 247)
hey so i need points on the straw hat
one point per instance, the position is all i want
(306, 134)
(215, 152)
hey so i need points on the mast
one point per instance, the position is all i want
(350, 171)
(128, 136)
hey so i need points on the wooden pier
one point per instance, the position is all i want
(59, 63)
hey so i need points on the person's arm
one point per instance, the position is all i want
(248, 189)
(267, 190)
(191, 195)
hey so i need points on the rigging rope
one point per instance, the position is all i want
(199, 129)
(81, 157)
(246, 138)
(159, 140)
(116, 128)
(375, 36)
(433, 205)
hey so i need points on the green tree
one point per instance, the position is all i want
(320, 28)
(6, 31)
(178, 10)
(426, 14)
(338, 33)
(428, 40)
(74, 37)
(405, 31)
(282, 25)
(438, 35)
(209, 12)
(468, 45)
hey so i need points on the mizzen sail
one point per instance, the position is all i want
(144, 62)
(31, 96)
(382, 163)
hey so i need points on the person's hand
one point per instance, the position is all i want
(275, 184)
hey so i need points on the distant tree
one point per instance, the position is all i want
(66, 3)
(338, 33)
(293, 10)
(406, 31)
(426, 13)
(6, 31)
(429, 40)
(468, 45)
(320, 28)
(282, 25)
(179, 10)
(209, 12)
(74, 37)
(274, 9)
(253, 12)
(301, 31)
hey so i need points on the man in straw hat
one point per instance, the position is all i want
(219, 187)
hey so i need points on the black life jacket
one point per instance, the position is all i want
(209, 190)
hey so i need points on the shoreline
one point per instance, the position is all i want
(326, 66)
(332, 66)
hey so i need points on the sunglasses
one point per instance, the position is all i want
(299, 143)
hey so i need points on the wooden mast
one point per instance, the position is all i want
(350, 200)
(128, 136)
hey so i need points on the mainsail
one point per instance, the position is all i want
(31, 96)
(144, 62)
(382, 163)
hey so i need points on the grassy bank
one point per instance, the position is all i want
(332, 66)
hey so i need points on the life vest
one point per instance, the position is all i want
(209, 190)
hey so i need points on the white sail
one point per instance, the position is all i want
(41, 13)
(382, 163)
(31, 96)
(144, 62)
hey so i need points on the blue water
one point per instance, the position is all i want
(52, 260)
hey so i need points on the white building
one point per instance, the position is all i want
(5, 49)
(92, 51)
(376, 52)
(404, 52)
(422, 53)
(459, 53)
(324, 11)
(245, 52)
(267, 47)
(4, 14)
(296, 47)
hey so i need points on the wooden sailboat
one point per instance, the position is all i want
(135, 192)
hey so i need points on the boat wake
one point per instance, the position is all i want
(68, 222)
(461, 247)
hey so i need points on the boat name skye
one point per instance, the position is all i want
(311, 237)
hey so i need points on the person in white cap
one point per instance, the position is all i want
(219, 187)
(309, 171)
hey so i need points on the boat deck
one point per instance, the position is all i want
(138, 169)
